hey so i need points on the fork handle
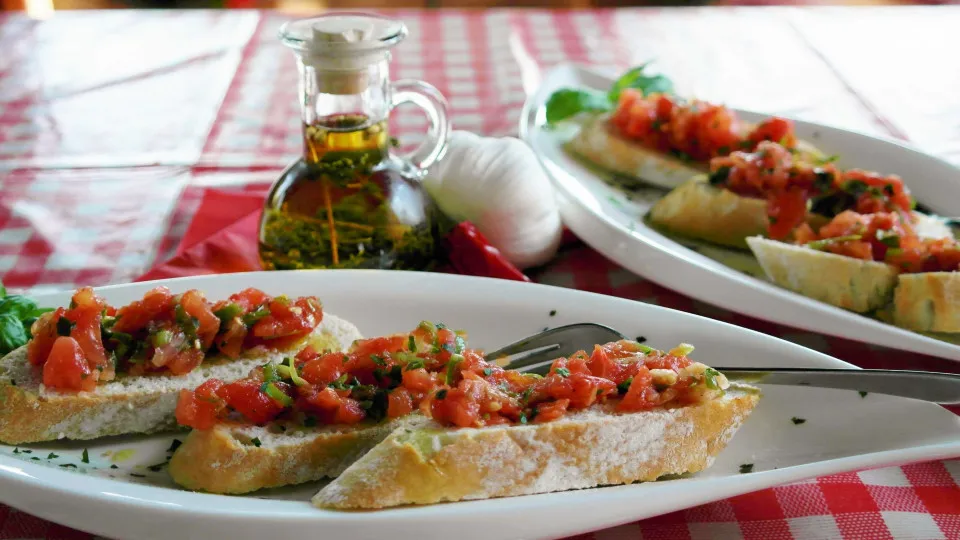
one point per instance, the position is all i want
(943, 388)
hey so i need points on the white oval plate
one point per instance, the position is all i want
(843, 431)
(601, 215)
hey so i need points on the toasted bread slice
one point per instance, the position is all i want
(600, 144)
(129, 404)
(239, 458)
(586, 449)
(845, 282)
(928, 302)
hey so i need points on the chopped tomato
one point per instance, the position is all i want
(324, 369)
(248, 299)
(287, 318)
(641, 395)
(196, 306)
(230, 340)
(551, 411)
(199, 409)
(137, 314)
(245, 397)
(400, 403)
(66, 367)
(786, 211)
(44, 333)
(776, 129)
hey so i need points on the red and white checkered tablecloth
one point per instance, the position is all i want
(112, 123)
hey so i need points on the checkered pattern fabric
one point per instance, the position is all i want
(103, 164)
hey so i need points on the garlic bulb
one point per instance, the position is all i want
(499, 186)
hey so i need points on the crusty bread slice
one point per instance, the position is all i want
(31, 413)
(585, 449)
(845, 282)
(237, 458)
(597, 142)
(928, 302)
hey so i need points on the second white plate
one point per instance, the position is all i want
(610, 220)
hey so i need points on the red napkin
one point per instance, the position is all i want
(222, 238)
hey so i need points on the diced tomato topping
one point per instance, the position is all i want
(167, 332)
(400, 403)
(246, 398)
(200, 409)
(885, 237)
(778, 130)
(137, 314)
(44, 332)
(430, 370)
(196, 306)
(66, 367)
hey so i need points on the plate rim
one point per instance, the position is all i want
(529, 125)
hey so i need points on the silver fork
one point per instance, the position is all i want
(535, 354)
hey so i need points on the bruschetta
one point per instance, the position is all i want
(770, 192)
(865, 262)
(92, 370)
(421, 418)
(665, 140)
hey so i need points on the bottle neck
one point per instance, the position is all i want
(327, 95)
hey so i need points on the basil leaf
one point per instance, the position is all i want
(19, 306)
(636, 78)
(567, 102)
(12, 333)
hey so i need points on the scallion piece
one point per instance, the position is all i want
(277, 395)
(161, 338)
(452, 365)
(294, 376)
(821, 244)
(228, 312)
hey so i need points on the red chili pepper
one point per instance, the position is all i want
(470, 253)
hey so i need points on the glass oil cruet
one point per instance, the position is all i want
(350, 201)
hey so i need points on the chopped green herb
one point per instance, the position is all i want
(86, 456)
(378, 360)
(251, 318)
(309, 421)
(174, 445)
(68, 465)
(52, 456)
(863, 394)
(412, 344)
(641, 339)
(157, 467)
(35, 458)
(710, 375)
(441, 394)
(452, 365)
(27, 451)
(553, 312)
(341, 383)
(797, 420)
(278, 395)
(746, 468)
(135, 475)
(460, 343)
(624, 386)
(228, 312)
(889, 239)
(523, 418)
(188, 324)
(487, 372)
(114, 466)
(16, 450)
(256, 442)
(563, 372)
(162, 337)
(821, 244)
(567, 102)
(415, 363)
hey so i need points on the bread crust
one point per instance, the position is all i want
(30, 413)
(928, 302)
(845, 282)
(600, 144)
(582, 450)
(225, 460)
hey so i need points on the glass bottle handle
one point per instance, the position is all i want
(428, 98)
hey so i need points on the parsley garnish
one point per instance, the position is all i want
(378, 360)
(487, 372)
(863, 394)
(412, 344)
(624, 386)
(52, 456)
(114, 467)
(563, 372)
(441, 394)
(256, 442)
(553, 312)
(414, 364)
(86, 457)
(746, 468)
(797, 420)
(68, 465)
(174, 445)
(157, 467)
